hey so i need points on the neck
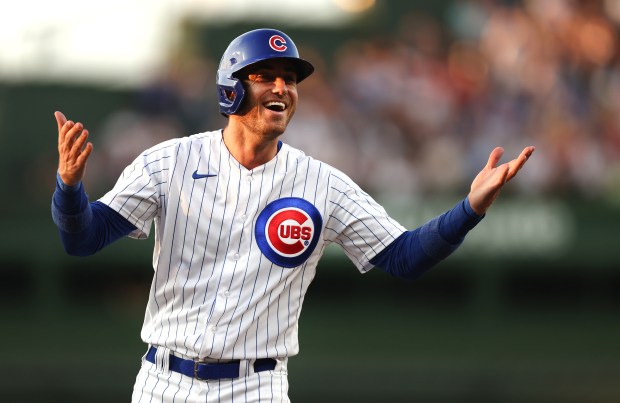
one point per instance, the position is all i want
(248, 148)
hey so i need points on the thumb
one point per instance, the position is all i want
(60, 119)
(494, 157)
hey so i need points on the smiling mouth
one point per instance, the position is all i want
(275, 106)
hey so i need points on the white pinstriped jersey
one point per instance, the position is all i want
(236, 249)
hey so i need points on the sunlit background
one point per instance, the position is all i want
(409, 98)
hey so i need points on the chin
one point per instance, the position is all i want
(277, 127)
(277, 131)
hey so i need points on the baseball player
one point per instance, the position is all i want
(241, 221)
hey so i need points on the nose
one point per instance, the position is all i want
(279, 86)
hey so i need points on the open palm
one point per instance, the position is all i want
(487, 184)
(73, 149)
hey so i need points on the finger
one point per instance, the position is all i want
(81, 159)
(526, 153)
(494, 157)
(62, 134)
(73, 133)
(79, 142)
(63, 128)
(516, 164)
(63, 147)
(60, 119)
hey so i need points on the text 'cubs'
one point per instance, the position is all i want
(287, 231)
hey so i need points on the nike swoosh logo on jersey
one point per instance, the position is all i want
(196, 175)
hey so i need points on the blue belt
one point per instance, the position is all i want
(210, 370)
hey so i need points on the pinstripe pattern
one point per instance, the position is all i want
(155, 385)
(214, 294)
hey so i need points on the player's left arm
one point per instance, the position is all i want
(416, 251)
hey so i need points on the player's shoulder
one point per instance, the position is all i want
(299, 157)
(198, 140)
(192, 140)
(327, 172)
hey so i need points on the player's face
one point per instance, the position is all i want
(270, 98)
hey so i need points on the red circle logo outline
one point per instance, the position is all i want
(277, 43)
(294, 219)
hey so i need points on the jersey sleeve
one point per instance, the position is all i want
(141, 189)
(356, 222)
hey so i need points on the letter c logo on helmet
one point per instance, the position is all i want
(246, 50)
(277, 43)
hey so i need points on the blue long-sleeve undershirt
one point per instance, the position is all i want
(86, 228)
(416, 251)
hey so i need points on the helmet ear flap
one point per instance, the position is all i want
(230, 94)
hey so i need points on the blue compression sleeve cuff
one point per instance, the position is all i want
(70, 209)
(84, 227)
(414, 252)
(105, 227)
(454, 224)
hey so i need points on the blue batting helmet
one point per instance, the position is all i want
(247, 49)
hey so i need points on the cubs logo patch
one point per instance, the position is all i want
(277, 43)
(287, 231)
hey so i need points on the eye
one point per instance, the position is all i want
(261, 77)
(268, 77)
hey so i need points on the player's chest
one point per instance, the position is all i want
(279, 215)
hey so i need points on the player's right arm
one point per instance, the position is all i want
(84, 227)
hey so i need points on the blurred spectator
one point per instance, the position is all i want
(415, 111)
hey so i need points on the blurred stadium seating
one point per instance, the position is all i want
(408, 100)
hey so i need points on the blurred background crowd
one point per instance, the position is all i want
(417, 109)
(408, 98)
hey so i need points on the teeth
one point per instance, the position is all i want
(279, 105)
